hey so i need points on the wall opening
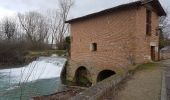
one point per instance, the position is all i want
(93, 47)
(82, 76)
(153, 53)
(148, 21)
(105, 74)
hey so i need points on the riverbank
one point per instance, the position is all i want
(9, 66)
(31, 56)
(66, 93)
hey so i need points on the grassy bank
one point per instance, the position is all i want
(32, 55)
(146, 66)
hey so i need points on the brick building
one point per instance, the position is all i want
(108, 42)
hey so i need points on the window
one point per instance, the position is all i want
(158, 31)
(93, 47)
(148, 21)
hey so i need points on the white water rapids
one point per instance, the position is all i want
(34, 76)
(43, 68)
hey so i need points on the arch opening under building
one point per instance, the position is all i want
(82, 77)
(105, 74)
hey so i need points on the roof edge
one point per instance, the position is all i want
(103, 11)
(161, 11)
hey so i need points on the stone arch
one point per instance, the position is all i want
(105, 74)
(82, 77)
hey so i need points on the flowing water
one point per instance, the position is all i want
(41, 77)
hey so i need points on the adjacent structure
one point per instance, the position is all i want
(108, 42)
(165, 53)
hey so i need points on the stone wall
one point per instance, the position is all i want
(91, 68)
(101, 89)
(165, 55)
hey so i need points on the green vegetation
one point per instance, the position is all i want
(47, 53)
(146, 66)
(32, 55)
(84, 81)
(164, 42)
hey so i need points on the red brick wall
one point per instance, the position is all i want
(143, 41)
(118, 36)
(109, 32)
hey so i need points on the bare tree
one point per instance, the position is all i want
(8, 28)
(164, 39)
(165, 25)
(35, 26)
(65, 6)
(54, 20)
(58, 27)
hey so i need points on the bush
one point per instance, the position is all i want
(11, 52)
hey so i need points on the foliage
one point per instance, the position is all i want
(143, 67)
(147, 66)
(11, 52)
(67, 44)
(34, 31)
(46, 53)
(32, 55)
(164, 31)
(164, 42)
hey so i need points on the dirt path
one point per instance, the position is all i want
(166, 64)
(145, 84)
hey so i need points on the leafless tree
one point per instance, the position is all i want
(35, 26)
(164, 39)
(8, 29)
(58, 27)
(54, 20)
(165, 25)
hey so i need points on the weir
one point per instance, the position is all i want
(40, 77)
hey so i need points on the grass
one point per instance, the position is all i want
(146, 66)
(47, 53)
(32, 55)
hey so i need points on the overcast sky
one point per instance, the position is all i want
(81, 7)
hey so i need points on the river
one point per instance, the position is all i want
(40, 77)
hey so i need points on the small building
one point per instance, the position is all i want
(165, 52)
(110, 41)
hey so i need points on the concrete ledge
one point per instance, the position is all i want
(163, 90)
(99, 90)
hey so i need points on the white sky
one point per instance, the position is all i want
(81, 7)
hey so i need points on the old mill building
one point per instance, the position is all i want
(108, 42)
